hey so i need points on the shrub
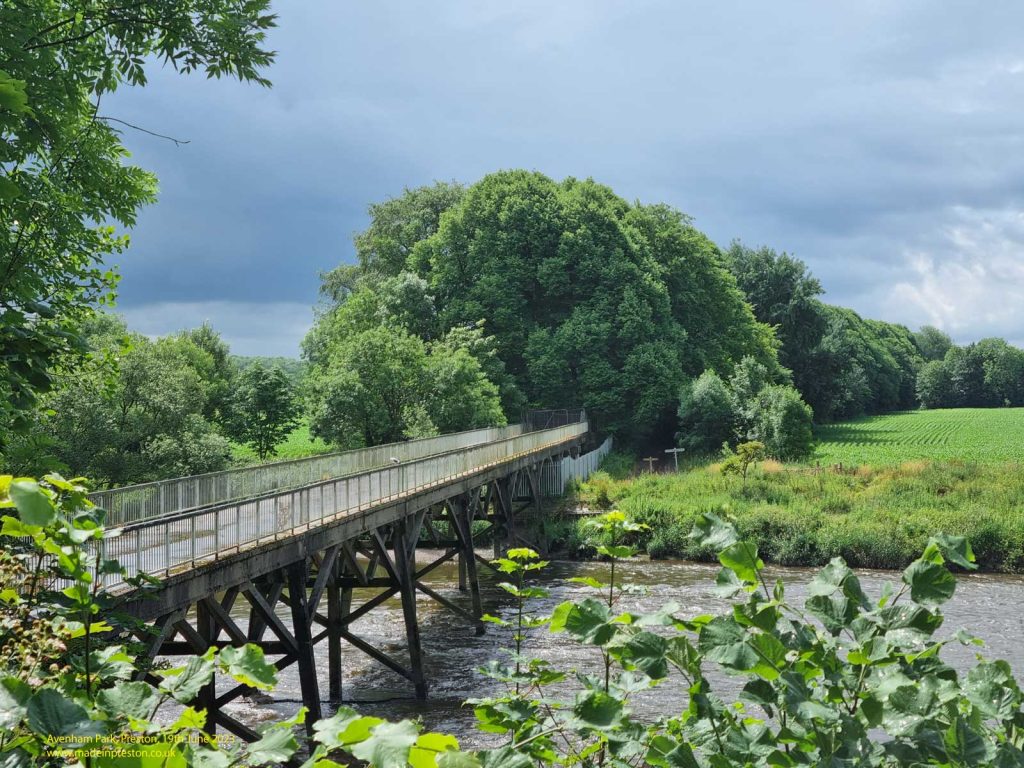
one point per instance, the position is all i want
(783, 422)
(706, 414)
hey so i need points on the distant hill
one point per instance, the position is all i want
(294, 368)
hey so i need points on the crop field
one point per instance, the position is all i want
(971, 434)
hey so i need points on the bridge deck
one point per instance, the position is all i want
(182, 542)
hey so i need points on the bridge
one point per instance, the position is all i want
(299, 537)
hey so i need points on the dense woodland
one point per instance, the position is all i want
(468, 304)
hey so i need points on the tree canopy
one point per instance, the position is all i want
(842, 364)
(66, 190)
(584, 298)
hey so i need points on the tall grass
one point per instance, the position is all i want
(873, 517)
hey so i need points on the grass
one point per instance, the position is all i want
(297, 445)
(874, 491)
(966, 434)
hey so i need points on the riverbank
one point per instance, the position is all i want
(874, 517)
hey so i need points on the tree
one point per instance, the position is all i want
(145, 424)
(706, 414)
(64, 185)
(384, 384)
(264, 409)
(934, 388)
(783, 422)
(396, 225)
(362, 392)
(748, 378)
(783, 294)
(932, 343)
(592, 301)
(740, 461)
(461, 396)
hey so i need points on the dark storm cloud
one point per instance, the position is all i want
(880, 142)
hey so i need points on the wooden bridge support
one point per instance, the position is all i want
(383, 559)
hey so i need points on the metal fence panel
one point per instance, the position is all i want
(135, 503)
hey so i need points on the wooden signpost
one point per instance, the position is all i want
(650, 464)
(675, 455)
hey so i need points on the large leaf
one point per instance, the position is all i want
(646, 651)
(504, 757)
(956, 549)
(389, 745)
(184, 683)
(34, 506)
(713, 532)
(930, 583)
(14, 696)
(247, 666)
(136, 699)
(345, 727)
(741, 558)
(991, 688)
(51, 713)
(276, 747)
(587, 621)
(598, 710)
(429, 747)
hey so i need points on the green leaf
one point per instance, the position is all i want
(598, 710)
(429, 747)
(956, 549)
(713, 532)
(589, 581)
(992, 689)
(587, 621)
(728, 584)
(8, 189)
(646, 651)
(504, 757)
(930, 583)
(389, 745)
(742, 559)
(665, 752)
(453, 759)
(276, 747)
(247, 666)
(345, 727)
(34, 506)
(14, 696)
(184, 683)
(50, 713)
(617, 551)
(135, 699)
(13, 97)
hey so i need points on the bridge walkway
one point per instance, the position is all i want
(296, 555)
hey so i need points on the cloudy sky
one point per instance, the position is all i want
(881, 143)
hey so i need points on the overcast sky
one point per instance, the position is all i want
(881, 143)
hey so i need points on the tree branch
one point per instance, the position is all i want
(178, 142)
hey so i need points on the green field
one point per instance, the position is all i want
(298, 445)
(874, 492)
(968, 434)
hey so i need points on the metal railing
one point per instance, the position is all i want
(546, 418)
(556, 475)
(179, 542)
(135, 503)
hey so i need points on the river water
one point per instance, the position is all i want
(990, 606)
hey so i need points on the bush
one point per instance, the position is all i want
(706, 415)
(783, 422)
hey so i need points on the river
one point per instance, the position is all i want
(990, 606)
